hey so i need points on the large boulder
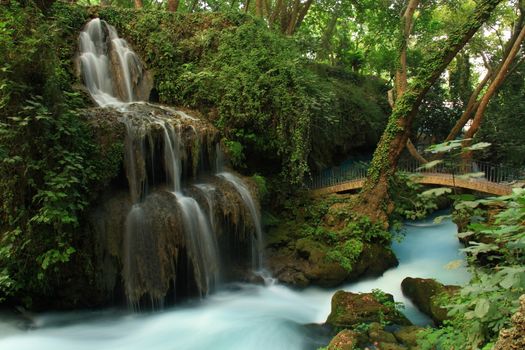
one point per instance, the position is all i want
(344, 340)
(304, 262)
(407, 335)
(377, 334)
(349, 309)
(424, 294)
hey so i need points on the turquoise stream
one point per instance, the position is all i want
(239, 316)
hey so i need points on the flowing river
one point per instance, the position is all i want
(239, 316)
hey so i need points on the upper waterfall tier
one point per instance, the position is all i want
(111, 70)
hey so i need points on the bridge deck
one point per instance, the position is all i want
(480, 185)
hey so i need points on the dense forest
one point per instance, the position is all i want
(155, 154)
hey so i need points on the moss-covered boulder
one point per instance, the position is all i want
(317, 241)
(307, 262)
(408, 335)
(377, 334)
(424, 294)
(344, 340)
(349, 309)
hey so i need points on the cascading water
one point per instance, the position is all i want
(169, 243)
(112, 72)
(257, 246)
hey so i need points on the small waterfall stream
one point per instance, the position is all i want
(161, 157)
(257, 246)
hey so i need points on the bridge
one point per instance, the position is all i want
(476, 176)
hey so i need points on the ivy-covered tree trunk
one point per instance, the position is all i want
(374, 199)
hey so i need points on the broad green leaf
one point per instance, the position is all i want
(465, 234)
(436, 192)
(445, 146)
(430, 165)
(467, 204)
(482, 308)
(454, 264)
(439, 219)
(472, 175)
(478, 146)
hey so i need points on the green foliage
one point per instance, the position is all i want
(256, 86)
(505, 111)
(49, 164)
(346, 253)
(411, 201)
(328, 221)
(389, 303)
(485, 305)
(234, 150)
(262, 187)
(368, 231)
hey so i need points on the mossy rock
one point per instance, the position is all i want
(349, 309)
(424, 294)
(344, 340)
(408, 335)
(390, 346)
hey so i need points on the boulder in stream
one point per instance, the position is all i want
(424, 293)
(350, 309)
(304, 262)
(344, 340)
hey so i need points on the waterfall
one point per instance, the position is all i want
(111, 71)
(257, 246)
(168, 242)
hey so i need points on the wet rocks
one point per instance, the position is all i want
(305, 262)
(349, 309)
(344, 340)
(424, 294)
(408, 335)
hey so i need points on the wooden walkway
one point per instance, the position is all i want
(495, 180)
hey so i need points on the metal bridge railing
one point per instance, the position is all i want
(357, 171)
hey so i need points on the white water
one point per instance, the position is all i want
(250, 204)
(244, 317)
(96, 41)
(111, 70)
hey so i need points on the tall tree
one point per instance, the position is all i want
(374, 199)
(173, 5)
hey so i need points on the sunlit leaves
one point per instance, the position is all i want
(430, 164)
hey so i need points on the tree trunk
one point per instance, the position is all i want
(275, 13)
(173, 5)
(292, 18)
(374, 200)
(473, 103)
(406, 24)
(491, 90)
(138, 4)
(259, 8)
(414, 153)
(302, 14)
(328, 35)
